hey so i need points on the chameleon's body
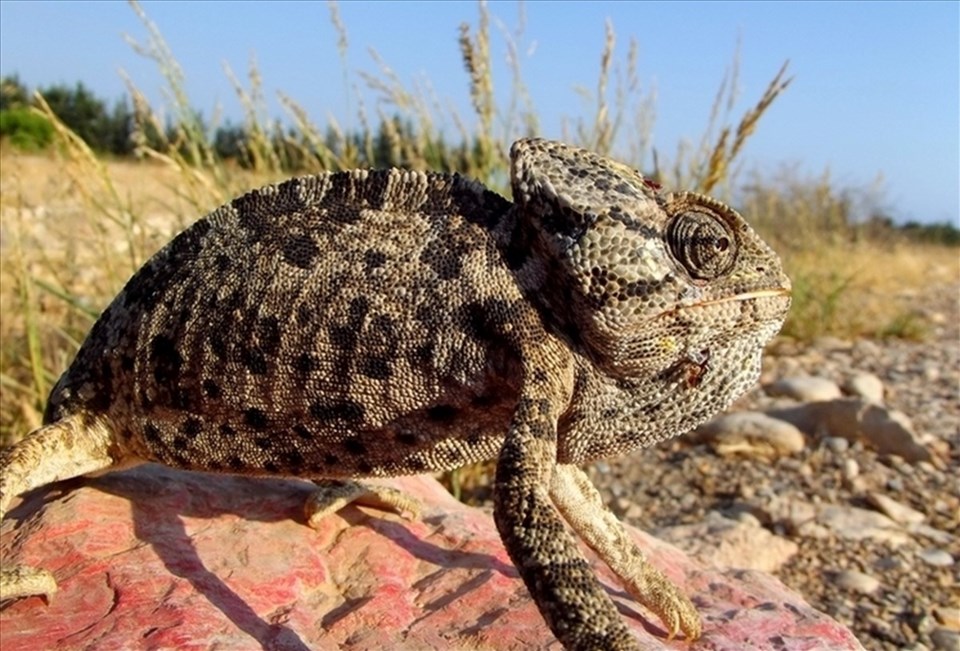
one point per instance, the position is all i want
(390, 322)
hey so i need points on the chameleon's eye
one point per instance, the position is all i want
(703, 244)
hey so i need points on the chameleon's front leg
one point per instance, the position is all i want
(578, 500)
(561, 582)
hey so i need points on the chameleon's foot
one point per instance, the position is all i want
(332, 496)
(659, 595)
(22, 581)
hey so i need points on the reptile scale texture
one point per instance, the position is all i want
(382, 323)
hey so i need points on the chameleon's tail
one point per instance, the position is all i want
(74, 446)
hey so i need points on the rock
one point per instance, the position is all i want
(944, 639)
(750, 433)
(895, 510)
(865, 385)
(156, 558)
(886, 430)
(724, 542)
(836, 444)
(936, 557)
(854, 523)
(851, 469)
(853, 581)
(948, 617)
(804, 388)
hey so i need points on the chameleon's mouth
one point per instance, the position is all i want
(749, 296)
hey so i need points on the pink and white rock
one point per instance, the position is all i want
(152, 558)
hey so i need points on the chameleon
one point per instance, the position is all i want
(377, 323)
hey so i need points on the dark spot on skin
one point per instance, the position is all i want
(345, 410)
(331, 459)
(227, 430)
(304, 314)
(423, 355)
(301, 430)
(355, 446)
(271, 467)
(293, 460)
(406, 438)
(373, 259)
(382, 334)
(211, 389)
(152, 433)
(235, 462)
(540, 376)
(442, 413)
(126, 363)
(166, 361)
(256, 419)
(180, 443)
(254, 360)
(364, 467)
(304, 363)
(445, 258)
(184, 399)
(222, 261)
(217, 345)
(191, 427)
(417, 465)
(268, 335)
(483, 322)
(300, 251)
(263, 442)
(377, 368)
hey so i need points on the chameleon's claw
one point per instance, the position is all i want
(23, 581)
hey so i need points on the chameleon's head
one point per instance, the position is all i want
(654, 281)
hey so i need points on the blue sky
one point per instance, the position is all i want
(876, 89)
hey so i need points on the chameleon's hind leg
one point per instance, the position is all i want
(332, 495)
(77, 445)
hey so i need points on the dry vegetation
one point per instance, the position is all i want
(75, 226)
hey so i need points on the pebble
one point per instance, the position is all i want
(895, 510)
(836, 444)
(945, 640)
(853, 581)
(865, 385)
(936, 557)
(750, 433)
(805, 388)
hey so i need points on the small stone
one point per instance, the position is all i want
(853, 581)
(723, 542)
(944, 639)
(805, 389)
(855, 523)
(936, 557)
(886, 430)
(865, 385)
(750, 433)
(898, 512)
(850, 469)
(948, 617)
(837, 444)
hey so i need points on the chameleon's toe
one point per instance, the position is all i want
(331, 496)
(23, 581)
(675, 610)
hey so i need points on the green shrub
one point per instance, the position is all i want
(25, 129)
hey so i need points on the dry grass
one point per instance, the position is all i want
(74, 226)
